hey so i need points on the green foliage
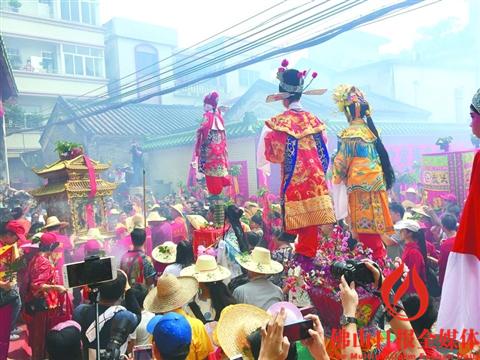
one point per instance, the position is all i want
(65, 147)
(14, 116)
(235, 170)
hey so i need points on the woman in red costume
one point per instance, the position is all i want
(296, 140)
(45, 297)
(211, 151)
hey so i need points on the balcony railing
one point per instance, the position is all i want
(31, 8)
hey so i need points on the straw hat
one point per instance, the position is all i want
(420, 211)
(155, 217)
(235, 324)
(135, 222)
(206, 269)
(259, 261)
(411, 190)
(178, 208)
(165, 253)
(93, 233)
(53, 221)
(197, 221)
(171, 293)
(408, 204)
(154, 206)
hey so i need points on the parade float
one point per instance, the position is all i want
(74, 191)
(315, 283)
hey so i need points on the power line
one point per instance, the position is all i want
(191, 46)
(305, 44)
(196, 56)
(242, 49)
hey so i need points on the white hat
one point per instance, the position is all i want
(259, 261)
(206, 269)
(93, 234)
(155, 216)
(53, 221)
(165, 253)
(411, 225)
(411, 190)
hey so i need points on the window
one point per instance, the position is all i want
(49, 62)
(84, 11)
(247, 77)
(14, 58)
(81, 60)
(146, 66)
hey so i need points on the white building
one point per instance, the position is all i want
(55, 47)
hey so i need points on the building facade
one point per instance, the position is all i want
(55, 47)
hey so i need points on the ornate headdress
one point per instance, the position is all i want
(345, 95)
(292, 81)
(476, 101)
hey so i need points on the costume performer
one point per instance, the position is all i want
(296, 139)
(211, 151)
(363, 165)
(462, 276)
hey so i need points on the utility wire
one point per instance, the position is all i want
(305, 44)
(343, 6)
(195, 57)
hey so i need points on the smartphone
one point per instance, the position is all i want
(298, 331)
(308, 310)
(89, 271)
(142, 352)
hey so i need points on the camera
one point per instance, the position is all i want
(353, 270)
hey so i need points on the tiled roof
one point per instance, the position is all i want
(72, 164)
(242, 129)
(135, 119)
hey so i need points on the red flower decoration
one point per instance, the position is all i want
(284, 63)
(299, 75)
(281, 69)
(314, 74)
(304, 73)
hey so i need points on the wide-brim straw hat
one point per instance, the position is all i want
(197, 221)
(171, 293)
(206, 270)
(409, 204)
(235, 324)
(259, 261)
(92, 234)
(155, 217)
(178, 208)
(165, 253)
(420, 211)
(53, 221)
(154, 207)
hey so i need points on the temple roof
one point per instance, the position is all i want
(73, 186)
(73, 164)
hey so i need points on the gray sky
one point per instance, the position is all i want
(196, 20)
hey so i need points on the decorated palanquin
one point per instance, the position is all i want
(75, 193)
(321, 286)
(447, 173)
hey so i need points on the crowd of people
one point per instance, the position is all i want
(175, 297)
(167, 289)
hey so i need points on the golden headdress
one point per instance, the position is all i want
(345, 95)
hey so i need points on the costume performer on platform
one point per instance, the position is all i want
(296, 139)
(211, 151)
(363, 165)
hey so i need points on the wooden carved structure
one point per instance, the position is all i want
(67, 190)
